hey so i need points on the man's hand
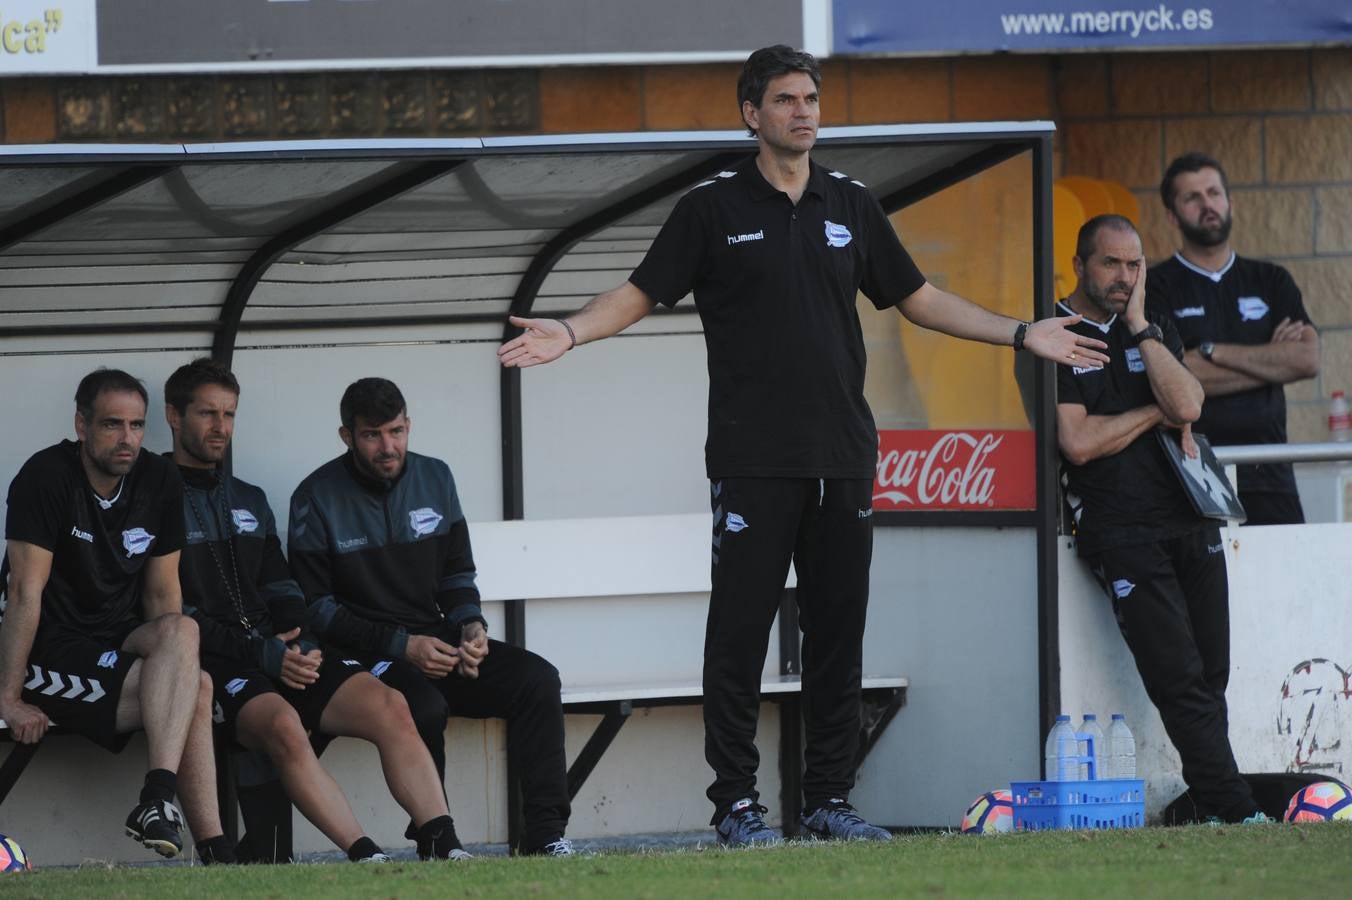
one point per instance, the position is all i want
(1288, 330)
(473, 649)
(433, 656)
(1134, 314)
(545, 340)
(1052, 339)
(27, 724)
(299, 670)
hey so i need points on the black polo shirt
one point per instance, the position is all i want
(98, 555)
(1240, 304)
(1132, 496)
(776, 285)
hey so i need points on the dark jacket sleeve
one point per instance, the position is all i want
(232, 642)
(278, 589)
(457, 594)
(311, 564)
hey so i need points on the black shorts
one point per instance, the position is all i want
(234, 683)
(77, 681)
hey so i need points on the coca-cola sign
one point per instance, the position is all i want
(955, 470)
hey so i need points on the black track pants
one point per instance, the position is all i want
(1171, 599)
(513, 684)
(760, 526)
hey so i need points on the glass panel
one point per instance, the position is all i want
(221, 199)
(953, 425)
(24, 185)
(527, 193)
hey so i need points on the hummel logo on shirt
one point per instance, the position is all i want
(741, 238)
(136, 541)
(82, 535)
(352, 543)
(1189, 312)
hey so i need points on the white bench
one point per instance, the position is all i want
(521, 563)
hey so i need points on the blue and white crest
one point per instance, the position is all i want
(235, 685)
(245, 521)
(735, 522)
(1123, 588)
(837, 235)
(425, 520)
(108, 660)
(380, 668)
(1251, 309)
(1134, 361)
(136, 541)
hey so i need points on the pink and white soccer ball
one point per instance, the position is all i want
(1323, 801)
(12, 857)
(991, 813)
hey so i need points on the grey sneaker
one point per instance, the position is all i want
(837, 820)
(744, 826)
(1258, 818)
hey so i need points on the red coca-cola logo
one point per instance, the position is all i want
(955, 470)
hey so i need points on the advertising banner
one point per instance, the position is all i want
(989, 26)
(261, 34)
(39, 38)
(972, 470)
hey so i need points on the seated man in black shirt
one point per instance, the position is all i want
(381, 548)
(271, 683)
(1244, 327)
(94, 636)
(1162, 565)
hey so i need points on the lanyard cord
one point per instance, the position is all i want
(232, 588)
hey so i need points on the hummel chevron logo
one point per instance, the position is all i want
(77, 690)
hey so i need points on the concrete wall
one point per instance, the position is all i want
(1291, 655)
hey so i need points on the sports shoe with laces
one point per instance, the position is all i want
(837, 820)
(157, 825)
(560, 846)
(744, 826)
(1258, 818)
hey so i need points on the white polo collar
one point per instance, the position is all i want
(1214, 276)
(1104, 327)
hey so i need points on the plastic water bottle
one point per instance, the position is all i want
(1061, 750)
(1090, 728)
(1340, 418)
(1123, 764)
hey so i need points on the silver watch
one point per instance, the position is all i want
(1206, 348)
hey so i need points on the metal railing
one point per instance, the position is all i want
(1329, 451)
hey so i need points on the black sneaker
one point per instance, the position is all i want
(158, 826)
(744, 826)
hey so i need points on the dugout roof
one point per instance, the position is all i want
(211, 240)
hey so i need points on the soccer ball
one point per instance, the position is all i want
(1323, 801)
(12, 857)
(991, 813)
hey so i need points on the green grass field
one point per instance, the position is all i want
(1264, 861)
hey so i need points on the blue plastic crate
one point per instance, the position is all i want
(1104, 804)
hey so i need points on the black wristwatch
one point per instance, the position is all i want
(1206, 348)
(1151, 332)
(1019, 334)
